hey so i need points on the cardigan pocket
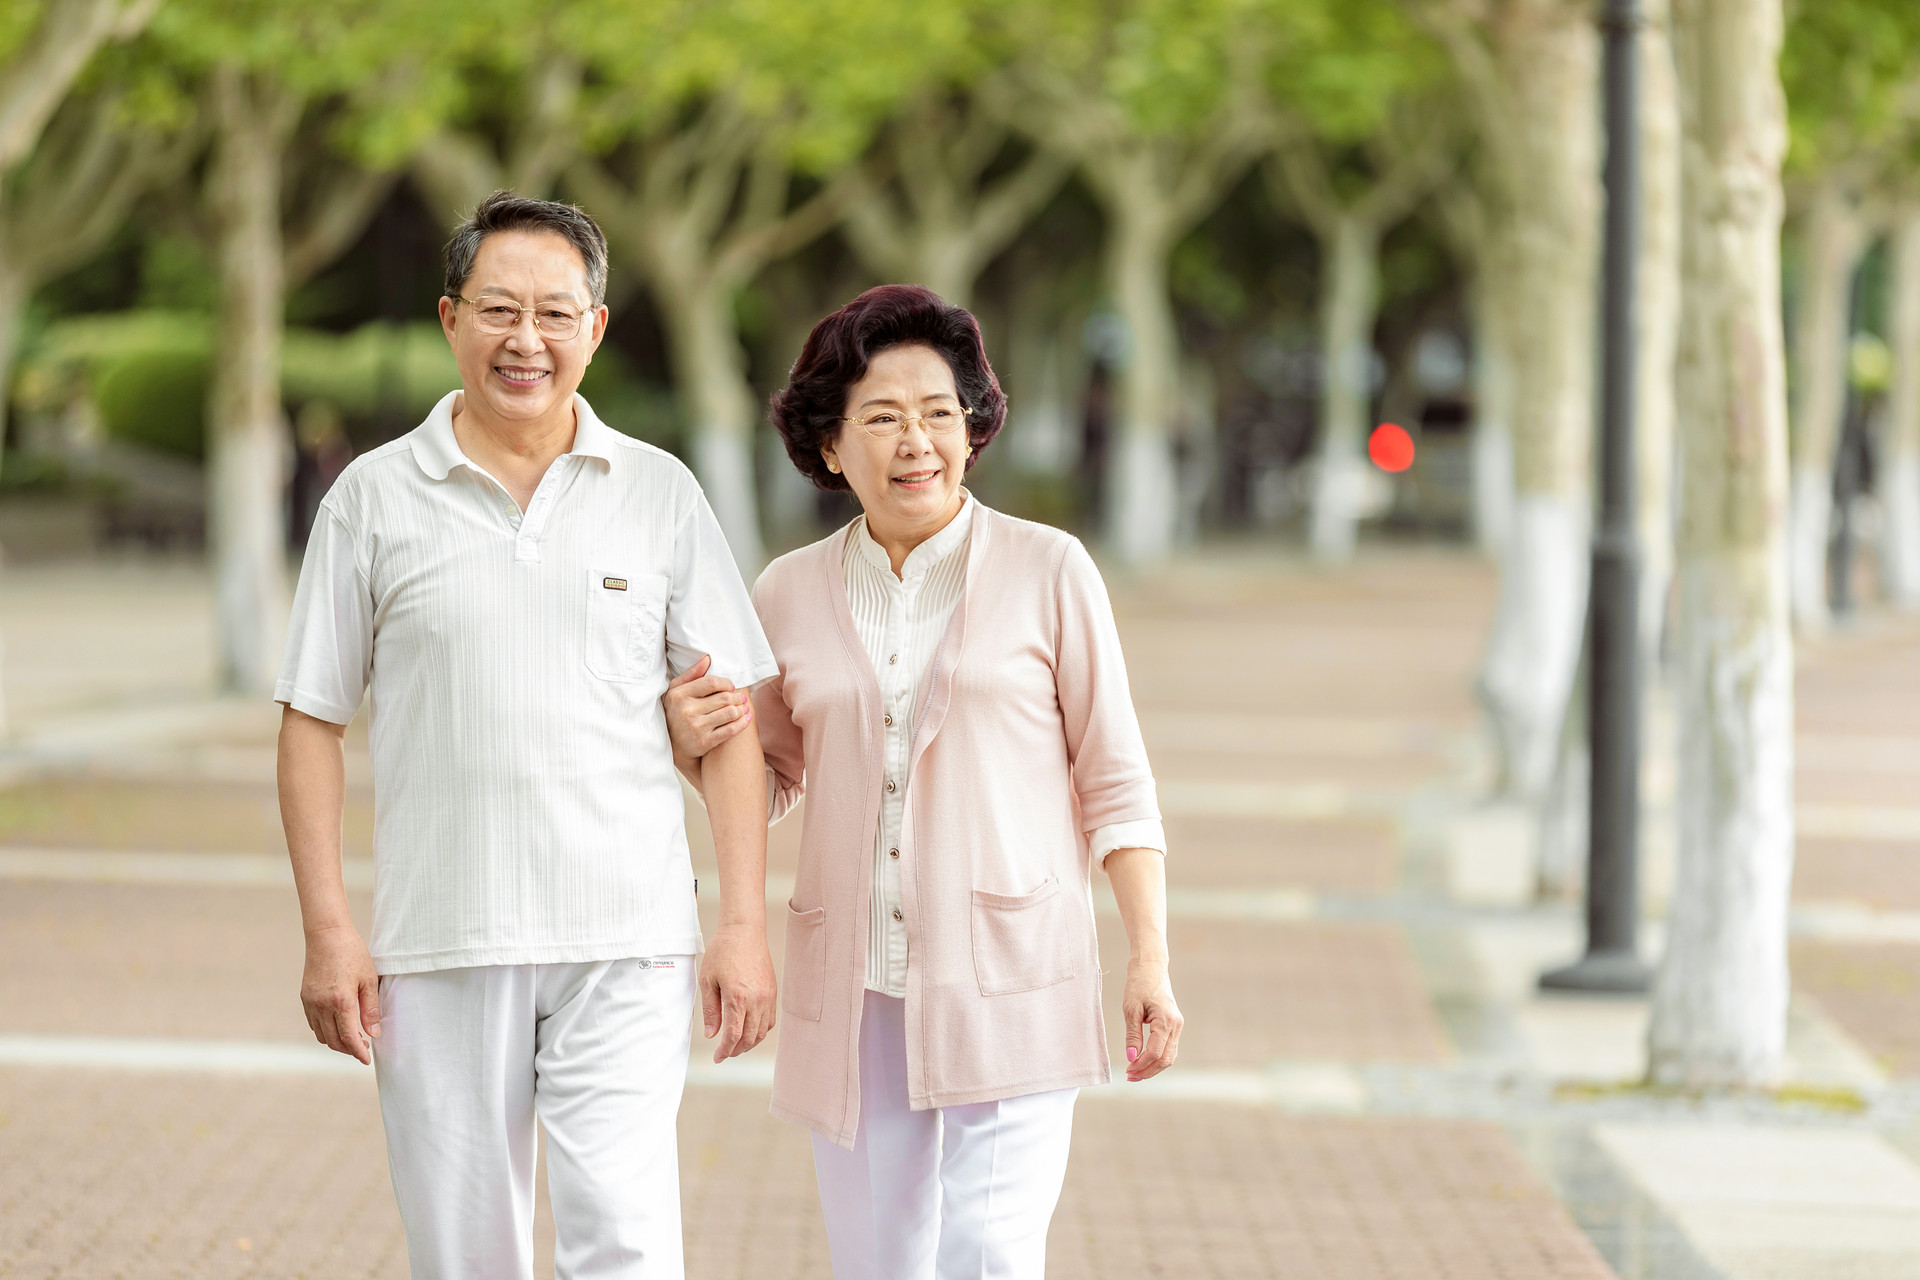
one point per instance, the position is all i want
(1022, 942)
(805, 980)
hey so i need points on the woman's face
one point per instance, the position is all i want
(912, 480)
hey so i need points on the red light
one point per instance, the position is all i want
(1390, 447)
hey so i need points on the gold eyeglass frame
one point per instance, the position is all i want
(965, 414)
(519, 311)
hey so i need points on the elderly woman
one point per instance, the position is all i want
(953, 702)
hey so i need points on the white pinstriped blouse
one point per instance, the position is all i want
(900, 621)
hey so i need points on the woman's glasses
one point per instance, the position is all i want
(890, 424)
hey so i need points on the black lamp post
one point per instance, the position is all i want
(1612, 963)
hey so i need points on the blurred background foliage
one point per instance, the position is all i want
(756, 163)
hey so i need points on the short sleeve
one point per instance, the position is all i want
(709, 611)
(329, 654)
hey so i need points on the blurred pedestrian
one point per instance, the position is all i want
(513, 582)
(952, 700)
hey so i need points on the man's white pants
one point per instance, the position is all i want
(468, 1058)
(953, 1193)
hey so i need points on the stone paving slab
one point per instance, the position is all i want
(1781, 1204)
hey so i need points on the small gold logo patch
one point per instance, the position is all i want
(614, 584)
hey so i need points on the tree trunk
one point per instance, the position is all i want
(1535, 646)
(1657, 312)
(248, 446)
(1349, 300)
(1546, 152)
(1720, 1001)
(14, 288)
(710, 371)
(1834, 240)
(1492, 422)
(1901, 487)
(1042, 438)
(1142, 505)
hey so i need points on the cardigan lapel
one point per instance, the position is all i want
(833, 566)
(946, 656)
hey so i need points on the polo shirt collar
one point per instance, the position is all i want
(438, 452)
(927, 554)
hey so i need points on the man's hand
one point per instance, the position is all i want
(704, 711)
(341, 992)
(737, 990)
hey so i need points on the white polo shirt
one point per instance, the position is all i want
(526, 809)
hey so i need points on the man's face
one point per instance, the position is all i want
(523, 375)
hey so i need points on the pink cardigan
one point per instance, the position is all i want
(1026, 742)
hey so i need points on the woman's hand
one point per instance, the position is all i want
(704, 711)
(1153, 1020)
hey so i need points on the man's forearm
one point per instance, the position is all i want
(734, 778)
(313, 787)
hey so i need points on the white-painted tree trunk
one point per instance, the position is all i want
(1657, 312)
(1492, 443)
(1720, 1001)
(1142, 506)
(1530, 661)
(1540, 126)
(1349, 300)
(1041, 436)
(710, 371)
(1834, 238)
(1900, 484)
(249, 449)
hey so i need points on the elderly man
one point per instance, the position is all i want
(514, 583)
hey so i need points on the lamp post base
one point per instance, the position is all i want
(1605, 973)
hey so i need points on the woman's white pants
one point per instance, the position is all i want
(468, 1059)
(953, 1193)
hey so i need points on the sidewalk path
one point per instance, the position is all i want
(1369, 1087)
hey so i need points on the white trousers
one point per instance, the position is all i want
(953, 1193)
(466, 1061)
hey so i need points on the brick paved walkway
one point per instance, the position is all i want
(1351, 718)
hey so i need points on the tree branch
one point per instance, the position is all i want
(66, 37)
(338, 219)
(1298, 176)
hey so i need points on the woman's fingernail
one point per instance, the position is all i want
(1133, 1053)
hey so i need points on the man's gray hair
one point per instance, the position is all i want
(505, 211)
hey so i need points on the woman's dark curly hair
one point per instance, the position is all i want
(807, 412)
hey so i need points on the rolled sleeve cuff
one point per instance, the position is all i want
(307, 704)
(1144, 833)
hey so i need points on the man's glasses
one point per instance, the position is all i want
(502, 315)
(890, 424)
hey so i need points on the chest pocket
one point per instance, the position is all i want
(626, 624)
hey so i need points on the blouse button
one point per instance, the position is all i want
(889, 786)
(893, 853)
(888, 720)
(892, 658)
(897, 915)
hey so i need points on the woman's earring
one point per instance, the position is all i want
(969, 451)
